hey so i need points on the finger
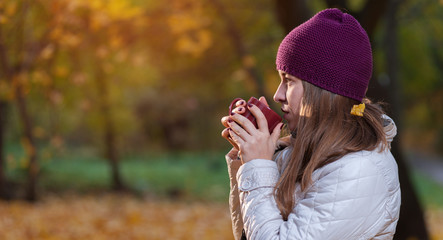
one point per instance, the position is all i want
(233, 143)
(236, 138)
(239, 130)
(240, 103)
(243, 123)
(263, 100)
(225, 134)
(225, 120)
(239, 110)
(259, 116)
(233, 154)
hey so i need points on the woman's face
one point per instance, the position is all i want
(289, 93)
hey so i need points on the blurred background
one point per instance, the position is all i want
(110, 109)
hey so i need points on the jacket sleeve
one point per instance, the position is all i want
(346, 200)
(234, 202)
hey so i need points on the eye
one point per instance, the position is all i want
(288, 81)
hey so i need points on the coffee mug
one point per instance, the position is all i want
(239, 106)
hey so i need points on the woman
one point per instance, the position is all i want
(333, 177)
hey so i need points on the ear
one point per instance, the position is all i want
(263, 100)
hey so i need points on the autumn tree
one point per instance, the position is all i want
(104, 31)
(20, 45)
(60, 50)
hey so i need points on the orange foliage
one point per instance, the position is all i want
(125, 217)
(113, 217)
(434, 219)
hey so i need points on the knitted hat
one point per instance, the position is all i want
(332, 51)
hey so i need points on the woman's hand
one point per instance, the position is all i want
(233, 153)
(225, 134)
(251, 142)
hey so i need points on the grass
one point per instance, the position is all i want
(429, 191)
(192, 176)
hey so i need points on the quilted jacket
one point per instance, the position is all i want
(355, 197)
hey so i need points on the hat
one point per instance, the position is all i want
(332, 51)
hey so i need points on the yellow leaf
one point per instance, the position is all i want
(41, 77)
(115, 42)
(181, 23)
(11, 9)
(138, 60)
(5, 90)
(57, 141)
(39, 132)
(47, 52)
(3, 19)
(78, 78)
(61, 71)
(71, 40)
(29, 148)
(248, 61)
(102, 52)
(196, 45)
(24, 162)
(56, 97)
(56, 33)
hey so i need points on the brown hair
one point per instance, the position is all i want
(326, 131)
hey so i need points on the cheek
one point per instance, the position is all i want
(294, 100)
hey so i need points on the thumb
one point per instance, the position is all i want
(263, 100)
(276, 132)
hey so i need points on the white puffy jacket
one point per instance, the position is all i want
(355, 197)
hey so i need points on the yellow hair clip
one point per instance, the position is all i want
(358, 110)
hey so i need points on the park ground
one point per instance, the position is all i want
(180, 196)
(113, 216)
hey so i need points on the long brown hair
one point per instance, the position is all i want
(326, 131)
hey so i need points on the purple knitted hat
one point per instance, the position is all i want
(332, 51)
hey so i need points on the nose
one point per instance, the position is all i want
(280, 94)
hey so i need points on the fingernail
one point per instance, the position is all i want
(240, 110)
(249, 104)
(230, 120)
(240, 103)
(281, 126)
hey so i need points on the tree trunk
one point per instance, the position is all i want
(291, 13)
(109, 131)
(411, 223)
(3, 184)
(27, 142)
(13, 72)
(4, 74)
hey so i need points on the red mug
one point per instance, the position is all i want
(272, 117)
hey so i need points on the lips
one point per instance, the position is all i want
(284, 111)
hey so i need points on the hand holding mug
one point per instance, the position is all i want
(253, 128)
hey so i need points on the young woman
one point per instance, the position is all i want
(333, 177)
